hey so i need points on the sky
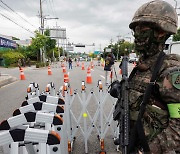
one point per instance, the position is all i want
(86, 21)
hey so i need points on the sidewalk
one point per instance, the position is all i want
(6, 79)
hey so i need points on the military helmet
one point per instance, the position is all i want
(159, 14)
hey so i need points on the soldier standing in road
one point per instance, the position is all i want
(70, 63)
(152, 25)
(109, 61)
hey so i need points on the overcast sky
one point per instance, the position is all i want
(86, 21)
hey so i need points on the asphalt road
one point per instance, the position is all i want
(12, 96)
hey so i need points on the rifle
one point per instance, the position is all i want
(121, 112)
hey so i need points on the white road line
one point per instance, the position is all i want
(102, 76)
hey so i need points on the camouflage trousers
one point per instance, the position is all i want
(168, 141)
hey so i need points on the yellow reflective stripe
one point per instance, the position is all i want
(174, 110)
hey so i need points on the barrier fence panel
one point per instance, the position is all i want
(59, 116)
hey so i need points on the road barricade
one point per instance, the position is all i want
(49, 121)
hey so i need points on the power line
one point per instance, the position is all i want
(16, 23)
(52, 8)
(17, 13)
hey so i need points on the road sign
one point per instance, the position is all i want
(58, 33)
(108, 50)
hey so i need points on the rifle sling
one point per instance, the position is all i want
(137, 133)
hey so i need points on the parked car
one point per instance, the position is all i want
(173, 48)
(133, 58)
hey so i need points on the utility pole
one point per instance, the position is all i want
(41, 30)
(118, 47)
(41, 17)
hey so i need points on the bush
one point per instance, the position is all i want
(41, 64)
(11, 57)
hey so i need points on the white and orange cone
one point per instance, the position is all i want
(49, 70)
(89, 78)
(66, 78)
(22, 76)
(82, 66)
(64, 69)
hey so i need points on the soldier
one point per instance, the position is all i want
(152, 25)
(109, 61)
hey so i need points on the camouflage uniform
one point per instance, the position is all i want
(162, 131)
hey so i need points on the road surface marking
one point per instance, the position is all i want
(102, 76)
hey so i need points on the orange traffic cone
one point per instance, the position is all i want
(49, 71)
(66, 78)
(83, 66)
(88, 78)
(120, 71)
(22, 76)
(92, 65)
(64, 69)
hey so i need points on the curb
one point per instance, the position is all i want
(7, 80)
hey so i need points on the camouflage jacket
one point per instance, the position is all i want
(160, 129)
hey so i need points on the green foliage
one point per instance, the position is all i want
(11, 57)
(41, 64)
(176, 37)
(121, 48)
(42, 42)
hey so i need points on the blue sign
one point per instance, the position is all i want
(97, 52)
(6, 43)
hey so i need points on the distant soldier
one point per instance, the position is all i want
(70, 63)
(109, 61)
(28, 62)
(19, 63)
(152, 24)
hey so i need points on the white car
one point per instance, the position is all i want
(133, 57)
(174, 48)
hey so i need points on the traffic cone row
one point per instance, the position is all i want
(89, 78)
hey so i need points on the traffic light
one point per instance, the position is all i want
(80, 46)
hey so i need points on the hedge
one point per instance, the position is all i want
(11, 57)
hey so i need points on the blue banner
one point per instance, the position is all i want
(6, 43)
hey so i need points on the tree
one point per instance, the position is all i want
(50, 43)
(38, 42)
(176, 37)
(121, 48)
(43, 42)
